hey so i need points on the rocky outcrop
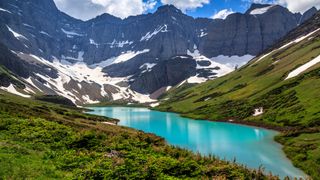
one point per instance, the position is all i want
(166, 73)
(308, 14)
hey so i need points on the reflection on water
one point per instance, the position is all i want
(248, 145)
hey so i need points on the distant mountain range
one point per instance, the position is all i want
(45, 51)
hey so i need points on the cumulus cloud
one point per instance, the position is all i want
(185, 5)
(125, 8)
(293, 5)
(299, 5)
(81, 9)
(222, 14)
(86, 9)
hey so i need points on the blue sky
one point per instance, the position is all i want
(87, 9)
(208, 10)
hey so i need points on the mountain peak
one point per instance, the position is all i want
(105, 17)
(311, 10)
(308, 14)
(168, 8)
(48, 5)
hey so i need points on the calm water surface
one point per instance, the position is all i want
(250, 146)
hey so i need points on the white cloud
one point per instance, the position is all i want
(87, 9)
(293, 5)
(299, 5)
(81, 9)
(125, 8)
(185, 5)
(222, 14)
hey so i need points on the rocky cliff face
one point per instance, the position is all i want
(149, 51)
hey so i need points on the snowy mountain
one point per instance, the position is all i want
(135, 59)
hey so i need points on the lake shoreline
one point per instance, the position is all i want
(235, 120)
(232, 120)
(227, 121)
(256, 124)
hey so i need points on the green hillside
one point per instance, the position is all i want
(292, 105)
(41, 140)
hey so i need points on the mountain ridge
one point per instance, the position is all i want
(136, 54)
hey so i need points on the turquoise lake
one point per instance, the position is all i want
(250, 146)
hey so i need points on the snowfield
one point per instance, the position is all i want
(82, 73)
(303, 68)
(12, 89)
(125, 56)
(74, 80)
(233, 61)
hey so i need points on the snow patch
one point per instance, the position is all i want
(109, 123)
(262, 57)
(221, 71)
(119, 44)
(147, 67)
(79, 58)
(45, 33)
(125, 56)
(70, 34)
(16, 35)
(182, 57)
(299, 39)
(258, 111)
(181, 83)
(233, 61)
(4, 10)
(27, 25)
(202, 33)
(304, 67)
(87, 100)
(149, 35)
(260, 10)
(288, 44)
(29, 80)
(29, 90)
(154, 104)
(11, 89)
(196, 80)
(93, 43)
